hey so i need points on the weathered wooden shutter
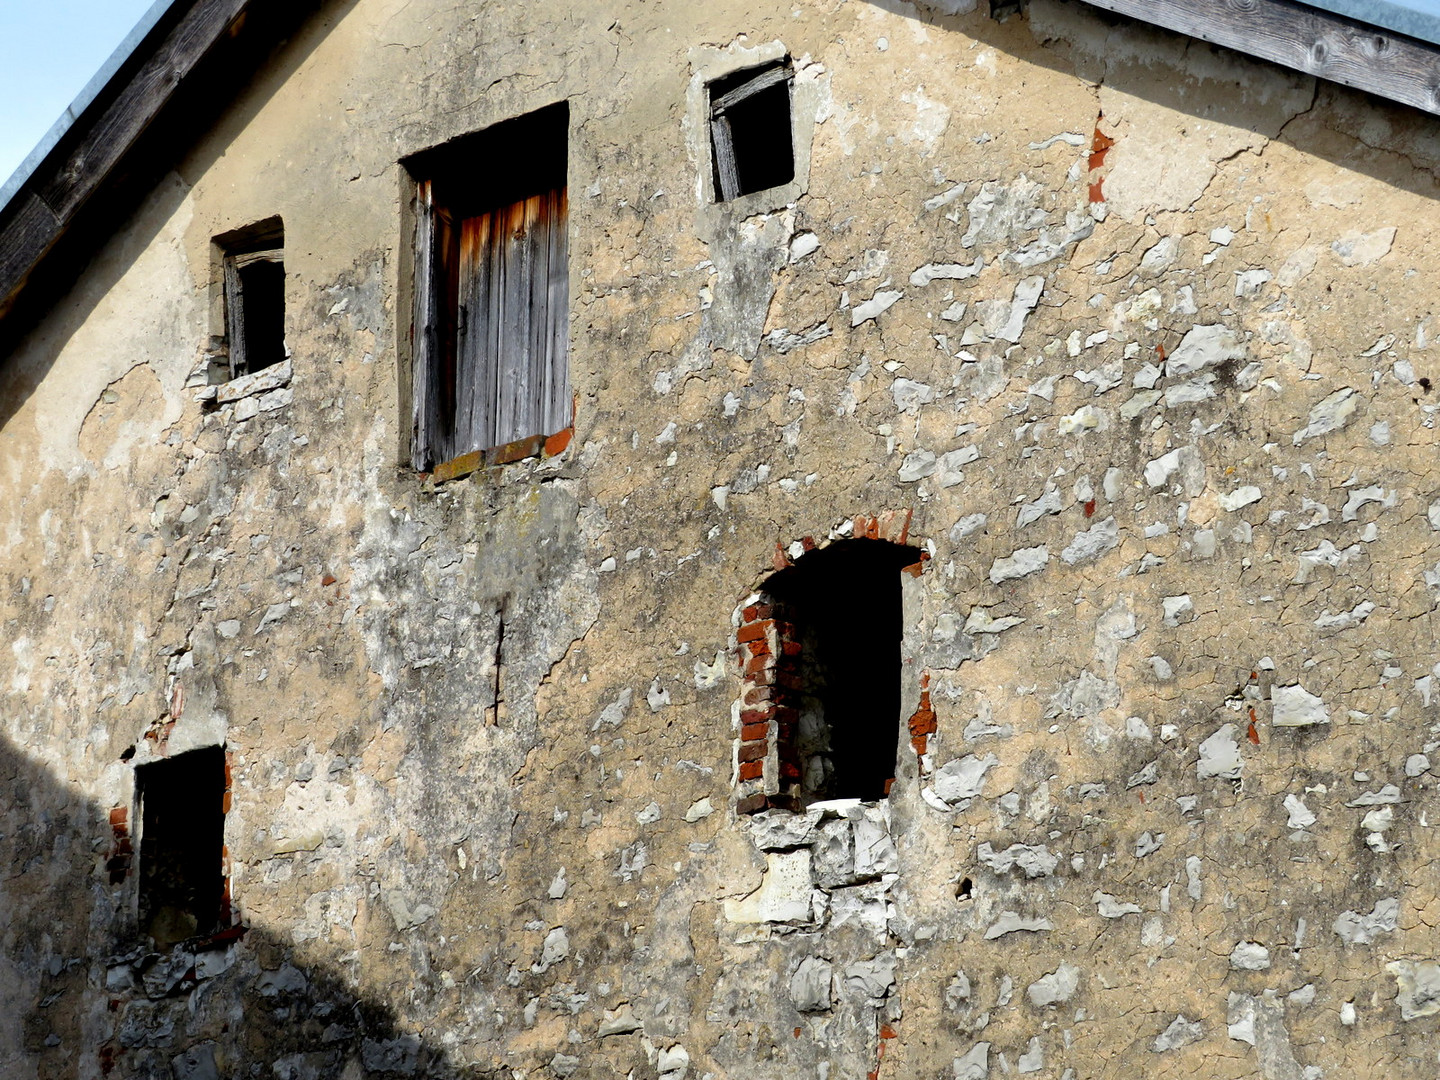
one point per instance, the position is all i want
(513, 339)
(234, 318)
(433, 373)
(424, 332)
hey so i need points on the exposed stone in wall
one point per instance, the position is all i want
(1131, 338)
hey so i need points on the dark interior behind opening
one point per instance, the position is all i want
(844, 602)
(182, 839)
(263, 285)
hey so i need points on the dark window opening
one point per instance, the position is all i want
(492, 289)
(182, 845)
(838, 673)
(254, 267)
(750, 136)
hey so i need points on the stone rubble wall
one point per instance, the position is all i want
(1136, 336)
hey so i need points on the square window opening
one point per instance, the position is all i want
(839, 618)
(182, 846)
(254, 288)
(751, 144)
(492, 289)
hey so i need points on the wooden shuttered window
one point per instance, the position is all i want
(750, 137)
(254, 310)
(253, 265)
(492, 321)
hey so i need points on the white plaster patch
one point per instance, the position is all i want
(1344, 620)
(1020, 563)
(1203, 347)
(876, 306)
(1300, 815)
(975, 1065)
(945, 272)
(917, 465)
(1331, 414)
(1093, 542)
(1373, 494)
(1010, 922)
(963, 779)
(1364, 249)
(1034, 860)
(1176, 607)
(1220, 755)
(1055, 988)
(1111, 907)
(1181, 1032)
(1418, 983)
(1356, 929)
(1240, 497)
(1250, 956)
(783, 895)
(1294, 706)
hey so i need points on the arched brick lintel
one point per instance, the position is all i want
(766, 719)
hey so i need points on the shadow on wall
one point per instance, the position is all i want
(1133, 64)
(141, 192)
(81, 995)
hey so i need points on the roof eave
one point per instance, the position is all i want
(1306, 38)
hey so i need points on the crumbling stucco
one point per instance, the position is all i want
(1135, 337)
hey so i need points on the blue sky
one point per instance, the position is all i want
(48, 51)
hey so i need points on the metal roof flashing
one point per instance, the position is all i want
(1414, 18)
(83, 100)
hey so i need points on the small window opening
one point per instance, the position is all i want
(182, 840)
(839, 669)
(750, 135)
(254, 268)
(492, 289)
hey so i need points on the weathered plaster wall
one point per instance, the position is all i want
(1159, 411)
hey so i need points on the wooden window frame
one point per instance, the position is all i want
(235, 339)
(722, 137)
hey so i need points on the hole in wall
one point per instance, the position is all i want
(965, 890)
(752, 148)
(840, 613)
(182, 838)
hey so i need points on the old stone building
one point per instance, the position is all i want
(828, 539)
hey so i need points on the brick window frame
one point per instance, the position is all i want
(766, 763)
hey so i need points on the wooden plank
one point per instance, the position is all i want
(513, 370)
(472, 405)
(422, 330)
(723, 144)
(235, 318)
(766, 79)
(450, 318)
(29, 233)
(112, 133)
(556, 399)
(487, 430)
(531, 397)
(1306, 39)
